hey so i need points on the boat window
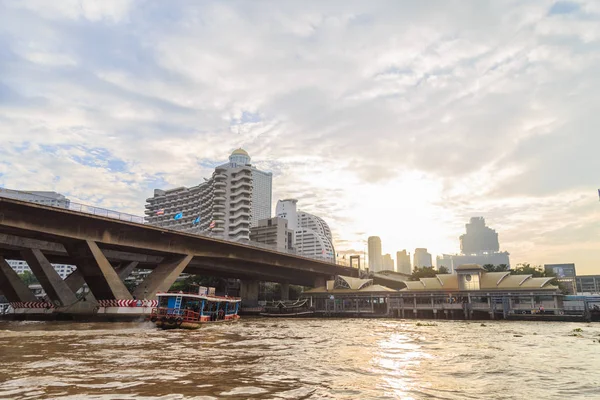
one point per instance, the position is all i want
(164, 301)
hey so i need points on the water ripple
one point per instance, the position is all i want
(300, 359)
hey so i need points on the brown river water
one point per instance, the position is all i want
(301, 359)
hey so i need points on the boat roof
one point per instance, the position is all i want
(201, 297)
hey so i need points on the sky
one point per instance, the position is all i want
(400, 119)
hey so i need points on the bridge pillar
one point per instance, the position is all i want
(249, 293)
(320, 281)
(285, 291)
(75, 279)
(125, 269)
(54, 286)
(163, 276)
(102, 279)
(12, 286)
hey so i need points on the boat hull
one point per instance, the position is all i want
(288, 315)
(190, 325)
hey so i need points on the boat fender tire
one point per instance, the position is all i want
(172, 320)
(179, 321)
(164, 319)
(153, 318)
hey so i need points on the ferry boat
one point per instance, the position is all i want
(177, 310)
(288, 309)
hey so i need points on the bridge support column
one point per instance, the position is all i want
(320, 281)
(12, 286)
(285, 291)
(54, 286)
(102, 279)
(125, 269)
(163, 276)
(249, 293)
(75, 279)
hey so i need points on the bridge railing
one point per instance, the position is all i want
(103, 212)
(65, 203)
(69, 205)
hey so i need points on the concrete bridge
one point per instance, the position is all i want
(106, 250)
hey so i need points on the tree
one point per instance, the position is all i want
(28, 278)
(423, 272)
(443, 270)
(496, 268)
(130, 285)
(537, 271)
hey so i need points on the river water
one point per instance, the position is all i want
(301, 359)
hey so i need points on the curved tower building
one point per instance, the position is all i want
(312, 234)
(226, 205)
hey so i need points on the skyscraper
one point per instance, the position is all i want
(479, 245)
(478, 238)
(375, 257)
(235, 197)
(388, 263)
(403, 262)
(312, 234)
(422, 258)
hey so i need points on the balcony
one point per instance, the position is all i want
(240, 207)
(247, 191)
(238, 230)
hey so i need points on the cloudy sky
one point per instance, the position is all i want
(393, 118)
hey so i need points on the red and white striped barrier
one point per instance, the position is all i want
(31, 304)
(128, 303)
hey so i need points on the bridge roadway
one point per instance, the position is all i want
(106, 250)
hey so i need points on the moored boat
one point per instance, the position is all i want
(287, 309)
(190, 310)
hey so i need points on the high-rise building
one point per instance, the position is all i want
(388, 263)
(235, 198)
(479, 245)
(403, 262)
(313, 237)
(273, 232)
(44, 198)
(21, 266)
(421, 258)
(375, 257)
(478, 238)
(262, 188)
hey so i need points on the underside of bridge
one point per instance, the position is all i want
(106, 250)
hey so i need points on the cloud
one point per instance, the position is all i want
(400, 119)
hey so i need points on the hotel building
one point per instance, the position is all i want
(227, 205)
